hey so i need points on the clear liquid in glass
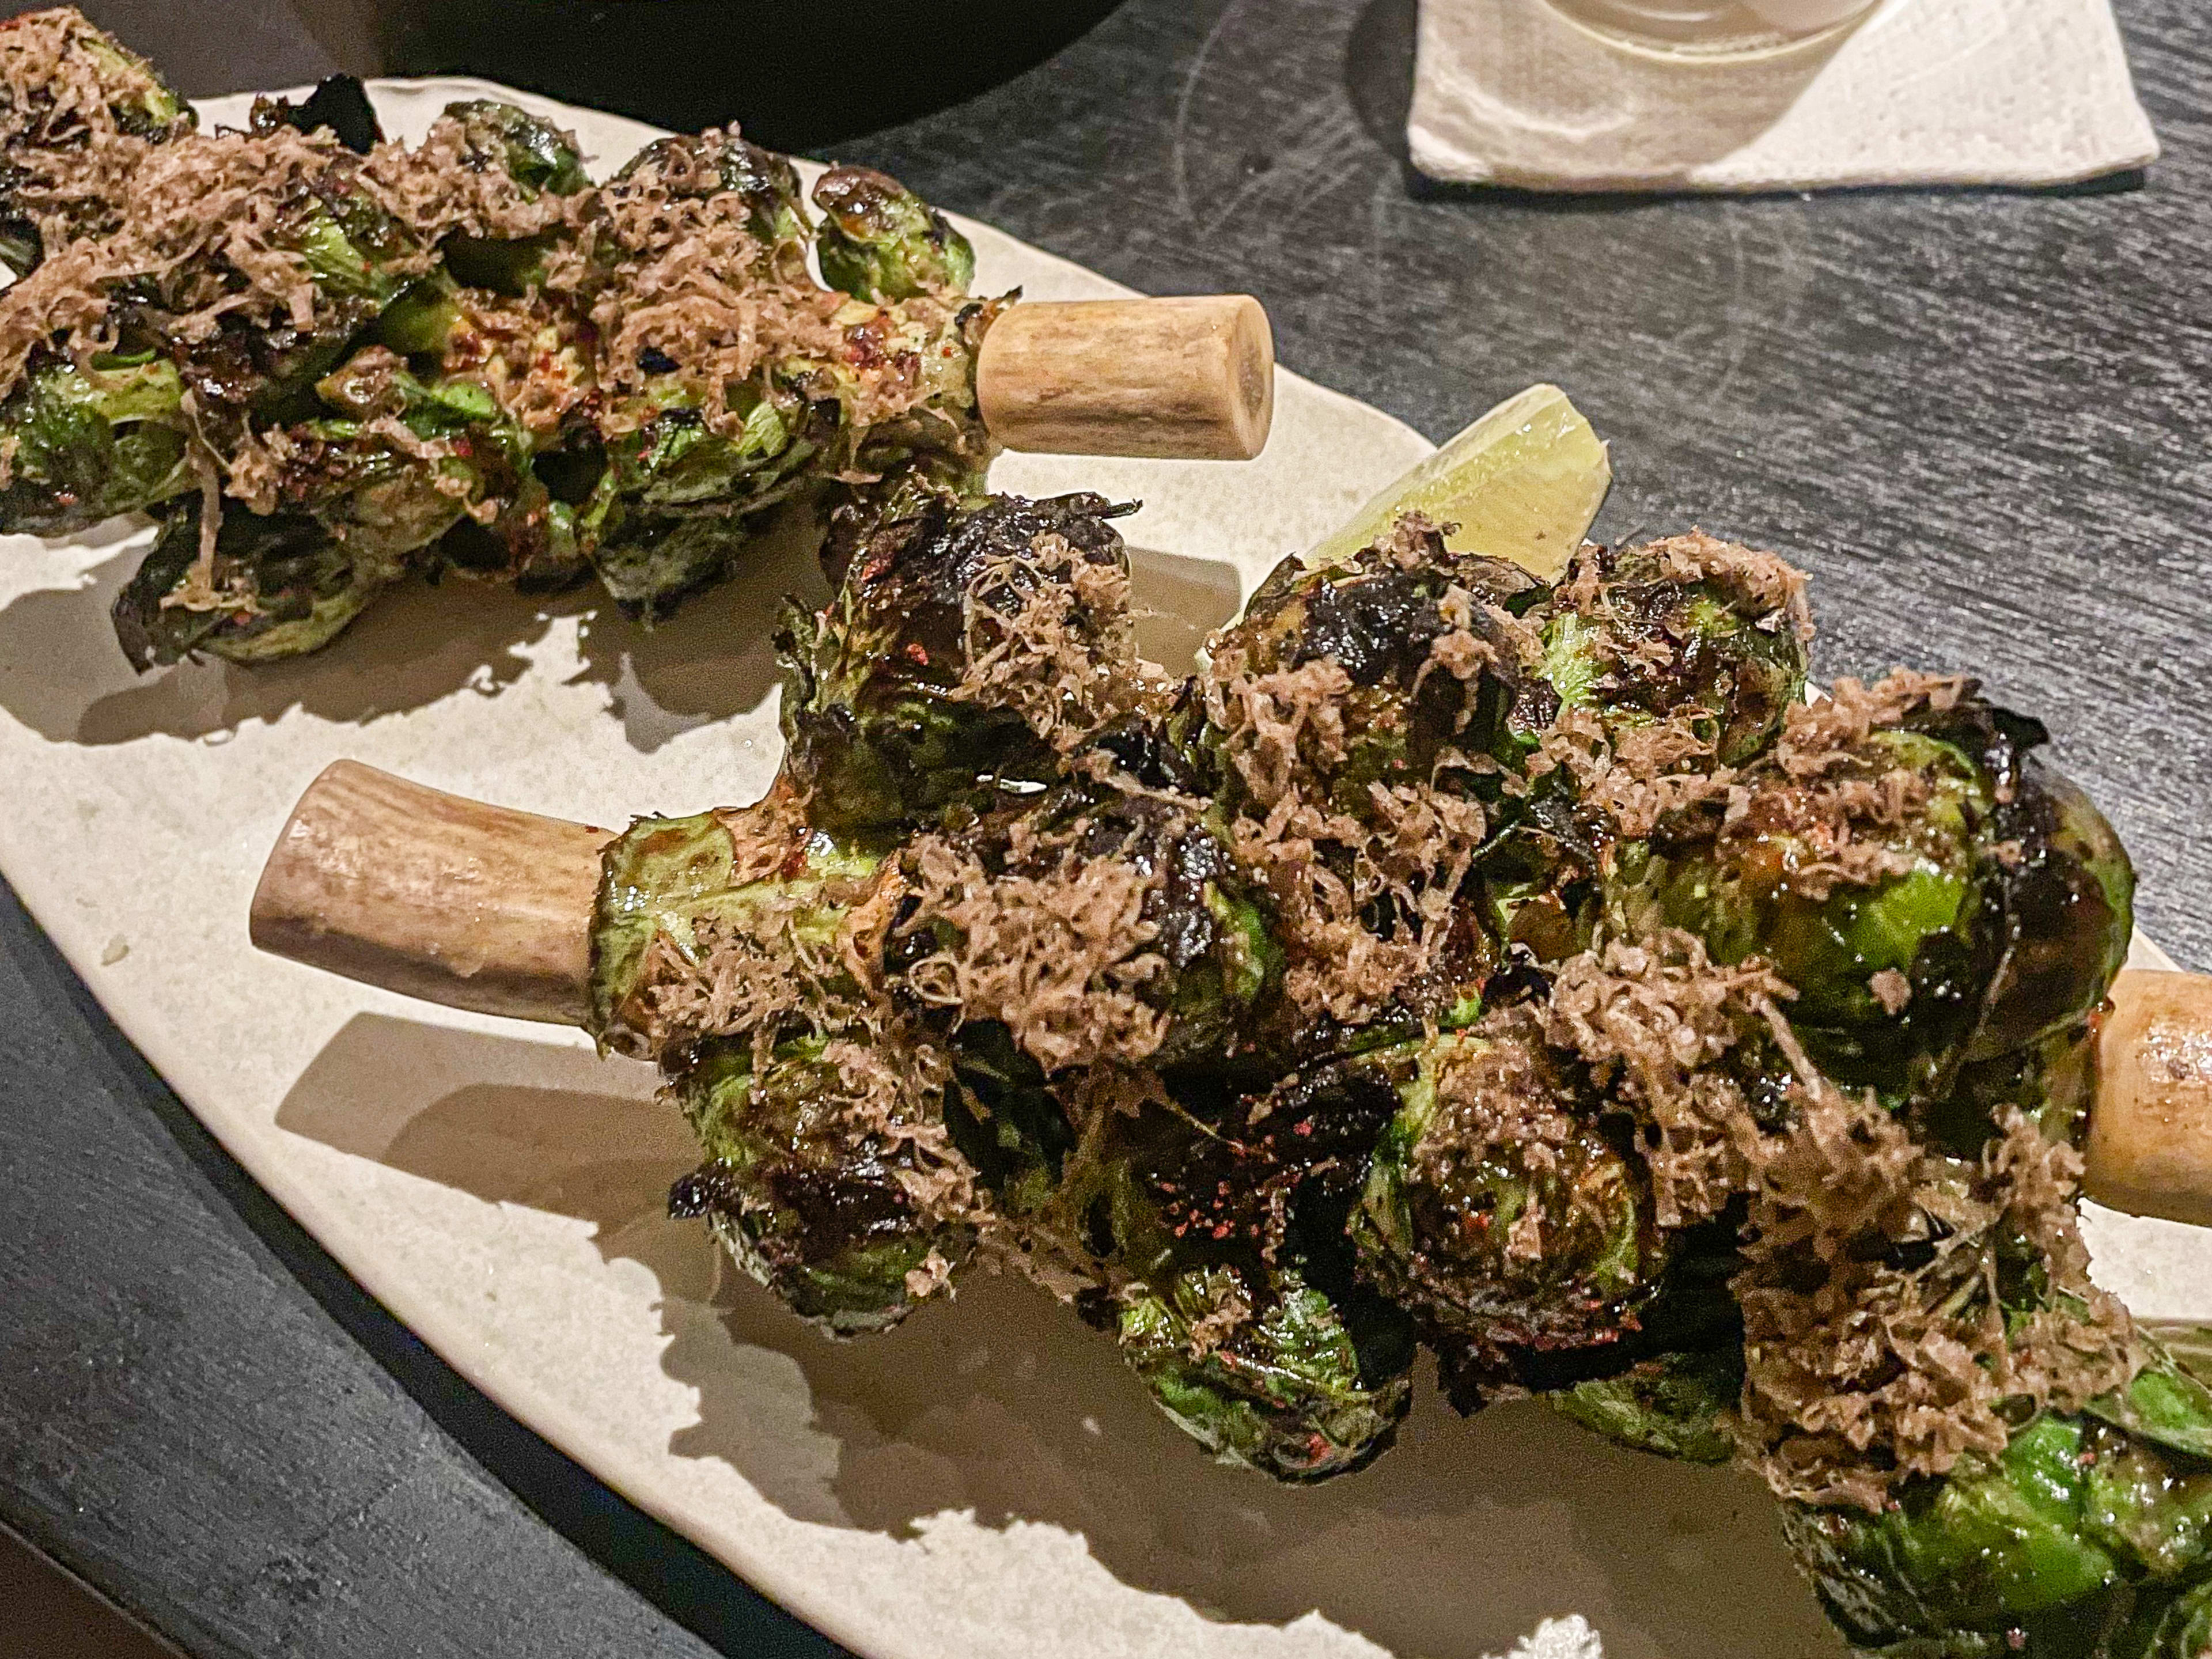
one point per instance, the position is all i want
(1706, 29)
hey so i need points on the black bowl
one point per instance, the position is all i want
(798, 74)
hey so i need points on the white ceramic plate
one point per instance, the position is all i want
(988, 1479)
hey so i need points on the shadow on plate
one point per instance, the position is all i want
(417, 644)
(63, 675)
(1001, 1403)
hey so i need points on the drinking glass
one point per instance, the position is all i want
(1704, 29)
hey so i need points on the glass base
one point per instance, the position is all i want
(1713, 30)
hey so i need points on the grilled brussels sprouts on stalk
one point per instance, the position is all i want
(461, 356)
(1516, 969)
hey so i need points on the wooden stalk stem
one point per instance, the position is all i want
(434, 895)
(1190, 379)
(476, 907)
(2149, 1145)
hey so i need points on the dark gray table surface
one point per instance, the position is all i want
(1977, 417)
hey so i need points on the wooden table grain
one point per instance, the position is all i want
(1979, 418)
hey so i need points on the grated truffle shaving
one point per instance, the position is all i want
(1056, 947)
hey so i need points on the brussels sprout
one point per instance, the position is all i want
(1286, 1390)
(137, 100)
(540, 158)
(338, 106)
(719, 162)
(676, 881)
(1667, 630)
(1676, 1405)
(85, 444)
(1380, 616)
(2052, 1083)
(879, 240)
(1934, 944)
(891, 718)
(1006, 1120)
(1993, 1546)
(676, 504)
(528, 149)
(2086, 1538)
(131, 99)
(283, 586)
(1209, 960)
(1497, 1207)
(812, 1190)
(1240, 1304)
(1913, 927)
(2066, 894)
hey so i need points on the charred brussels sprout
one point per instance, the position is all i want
(530, 150)
(962, 640)
(716, 163)
(2065, 900)
(541, 159)
(1936, 899)
(1497, 1206)
(1689, 628)
(811, 1183)
(136, 101)
(1883, 952)
(880, 241)
(82, 445)
(1675, 1405)
(678, 885)
(1427, 643)
(338, 106)
(1242, 1310)
(280, 586)
(2089, 1538)
(115, 90)
(659, 524)
(1286, 1390)
(1008, 927)
(1998, 1546)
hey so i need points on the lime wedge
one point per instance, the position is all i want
(1523, 484)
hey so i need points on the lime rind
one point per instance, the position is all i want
(1525, 483)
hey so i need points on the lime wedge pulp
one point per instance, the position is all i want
(1523, 484)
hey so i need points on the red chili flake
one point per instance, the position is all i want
(916, 651)
(1304, 1128)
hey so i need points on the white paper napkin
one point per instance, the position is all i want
(1951, 92)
